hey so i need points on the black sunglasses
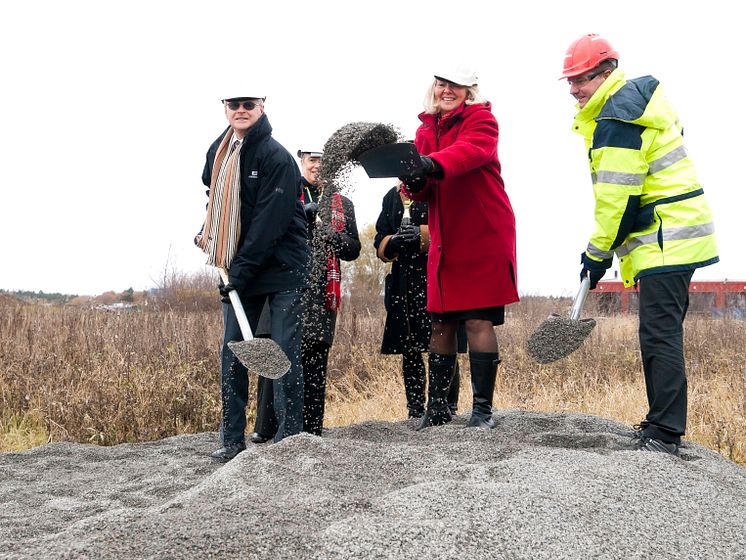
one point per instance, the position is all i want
(582, 80)
(236, 105)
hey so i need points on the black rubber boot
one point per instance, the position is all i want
(483, 373)
(453, 391)
(439, 375)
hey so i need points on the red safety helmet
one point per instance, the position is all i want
(586, 53)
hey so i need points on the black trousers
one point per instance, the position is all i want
(285, 316)
(266, 423)
(315, 357)
(664, 300)
(415, 376)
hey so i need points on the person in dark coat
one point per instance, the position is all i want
(256, 229)
(332, 235)
(404, 243)
(472, 258)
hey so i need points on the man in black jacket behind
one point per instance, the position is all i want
(254, 190)
(332, 236)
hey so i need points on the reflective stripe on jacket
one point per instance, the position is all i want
(650, 208)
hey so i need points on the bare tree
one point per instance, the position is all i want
(364, 276)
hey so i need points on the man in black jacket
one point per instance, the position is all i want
(256, 228)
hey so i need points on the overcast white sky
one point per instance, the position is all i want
(107, 110)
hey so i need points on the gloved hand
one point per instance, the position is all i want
(415, 180)
(430, 166)
(224, 290)
(414, 184)
(593, 269)
(311, 209)
(394, 246)
(402, 242)
(410, 235)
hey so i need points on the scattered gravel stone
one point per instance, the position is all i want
(344, 147)
(341, 153)
(558, 337)
(261, 356)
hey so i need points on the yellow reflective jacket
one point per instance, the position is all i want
(650, 208)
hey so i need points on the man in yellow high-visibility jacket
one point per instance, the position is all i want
(650, 210)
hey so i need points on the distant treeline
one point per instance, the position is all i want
(28, 295)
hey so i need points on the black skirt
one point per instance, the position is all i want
(494, 314)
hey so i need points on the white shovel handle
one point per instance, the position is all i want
(577, 305)
(243, 322)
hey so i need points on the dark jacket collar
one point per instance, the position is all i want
(313, 189)
(261, 129)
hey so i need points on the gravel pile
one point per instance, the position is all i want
(540, 486)
(558, 337)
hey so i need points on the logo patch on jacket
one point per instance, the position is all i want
(254, 175)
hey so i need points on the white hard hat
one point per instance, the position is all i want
(315, 152)
(459, 74)
(256, 93)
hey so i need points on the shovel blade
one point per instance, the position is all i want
(558, 337)
(261, 356)
(390, 160)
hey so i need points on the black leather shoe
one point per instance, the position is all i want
(480, 421)
(415, 412)
(656, 446)
(434, 417)
(258, 438)
(228, 452)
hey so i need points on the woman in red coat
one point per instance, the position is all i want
(471, 271)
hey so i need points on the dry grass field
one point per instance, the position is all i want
(108, 377)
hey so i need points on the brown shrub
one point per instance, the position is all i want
(110, 377)
(179, 291)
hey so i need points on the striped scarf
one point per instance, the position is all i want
(333, 272)
(223, 222)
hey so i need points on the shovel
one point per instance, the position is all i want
(262, 356)
(558, 337)
(390, 160)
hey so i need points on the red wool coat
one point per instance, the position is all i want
(472, 258)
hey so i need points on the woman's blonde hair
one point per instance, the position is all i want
(431, 105)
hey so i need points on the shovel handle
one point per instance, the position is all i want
(243, 322)
(577, 305)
